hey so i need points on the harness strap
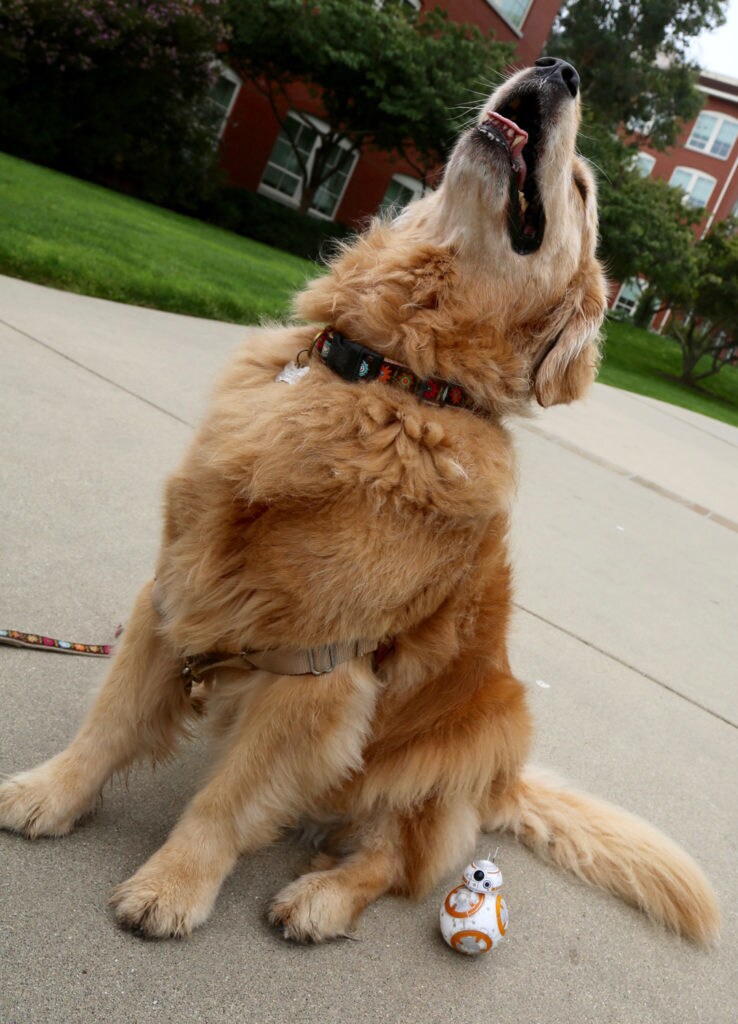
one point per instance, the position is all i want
(284, 661)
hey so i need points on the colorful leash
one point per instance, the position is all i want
(37, 642)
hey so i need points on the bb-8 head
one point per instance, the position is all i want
(483, 876)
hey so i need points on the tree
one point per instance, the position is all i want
(646, 229)
(632, 59)
(114, 90)
(705, 322)
(385, 76)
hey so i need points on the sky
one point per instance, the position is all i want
(718, 51)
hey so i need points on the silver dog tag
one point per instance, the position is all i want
(291, 373)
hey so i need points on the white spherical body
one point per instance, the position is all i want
(474, 914)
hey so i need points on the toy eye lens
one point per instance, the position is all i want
(478, 876)
(488, 884)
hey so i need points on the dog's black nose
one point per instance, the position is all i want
(557, 70)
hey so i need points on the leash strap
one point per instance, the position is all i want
(38, 642)
(355, 362)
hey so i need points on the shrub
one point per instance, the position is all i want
(264, 220)
(113, 90)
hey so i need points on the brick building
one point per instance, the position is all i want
(704, 163)
(257, 156)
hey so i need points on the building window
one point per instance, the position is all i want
(643, 164)
(698, 186)
(513, 11)
(713, 134)
(628, 297)
(223, 95)
(400, 191)
(282, 177)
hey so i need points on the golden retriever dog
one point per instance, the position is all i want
(333, 587)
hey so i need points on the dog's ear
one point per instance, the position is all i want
(568, 363)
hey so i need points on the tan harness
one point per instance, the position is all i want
(281, 661)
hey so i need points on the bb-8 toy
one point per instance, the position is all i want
(474, 914)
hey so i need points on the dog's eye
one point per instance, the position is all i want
(581, 188)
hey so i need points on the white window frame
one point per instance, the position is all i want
(225, 72)
(415, 186)
(640, 160)
(517, 29)
(695, 174)
(621, 303)
(707, 150)
(294, 201)
(415, 4)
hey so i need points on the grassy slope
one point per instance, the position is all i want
(638, 361)
(69, 234)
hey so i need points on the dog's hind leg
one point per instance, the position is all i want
(400, 852)
(138, 712)
(294, 738)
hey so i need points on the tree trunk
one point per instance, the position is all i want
(306, 199)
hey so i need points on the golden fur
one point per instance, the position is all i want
(325, 511)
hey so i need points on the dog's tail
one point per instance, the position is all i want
(610, 848)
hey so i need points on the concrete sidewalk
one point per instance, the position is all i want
(627, 587)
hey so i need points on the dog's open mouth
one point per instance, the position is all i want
(517, 127)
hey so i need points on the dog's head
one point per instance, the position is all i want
(492, 278)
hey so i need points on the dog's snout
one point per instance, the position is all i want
(556, 70)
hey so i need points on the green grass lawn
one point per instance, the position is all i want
(69, 234)
(638, 361)
(66, 233)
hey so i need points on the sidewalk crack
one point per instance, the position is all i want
(626, 664)
(95, 373)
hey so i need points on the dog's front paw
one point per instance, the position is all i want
(314, 908)
(160, 904)
(43, 802)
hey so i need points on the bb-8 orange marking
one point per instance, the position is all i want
(474, 915)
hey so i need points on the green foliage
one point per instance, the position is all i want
(385, 76)
(260, 218)
(705, 321)
(632, 58)
(645, 227)
(114, 90)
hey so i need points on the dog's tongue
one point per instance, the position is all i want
(516, 140)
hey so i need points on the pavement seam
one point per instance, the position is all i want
(635, 478)
(626, 664)
(100, 376)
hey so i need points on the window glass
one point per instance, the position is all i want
(223, 95)
(629, 295)
(697, 186)
(399, 193)
(283, 172)
(724, 139)
(702, 131)
(701, 191)
(681, 178)
(513, 11)
(644, 164)
(713, 134)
